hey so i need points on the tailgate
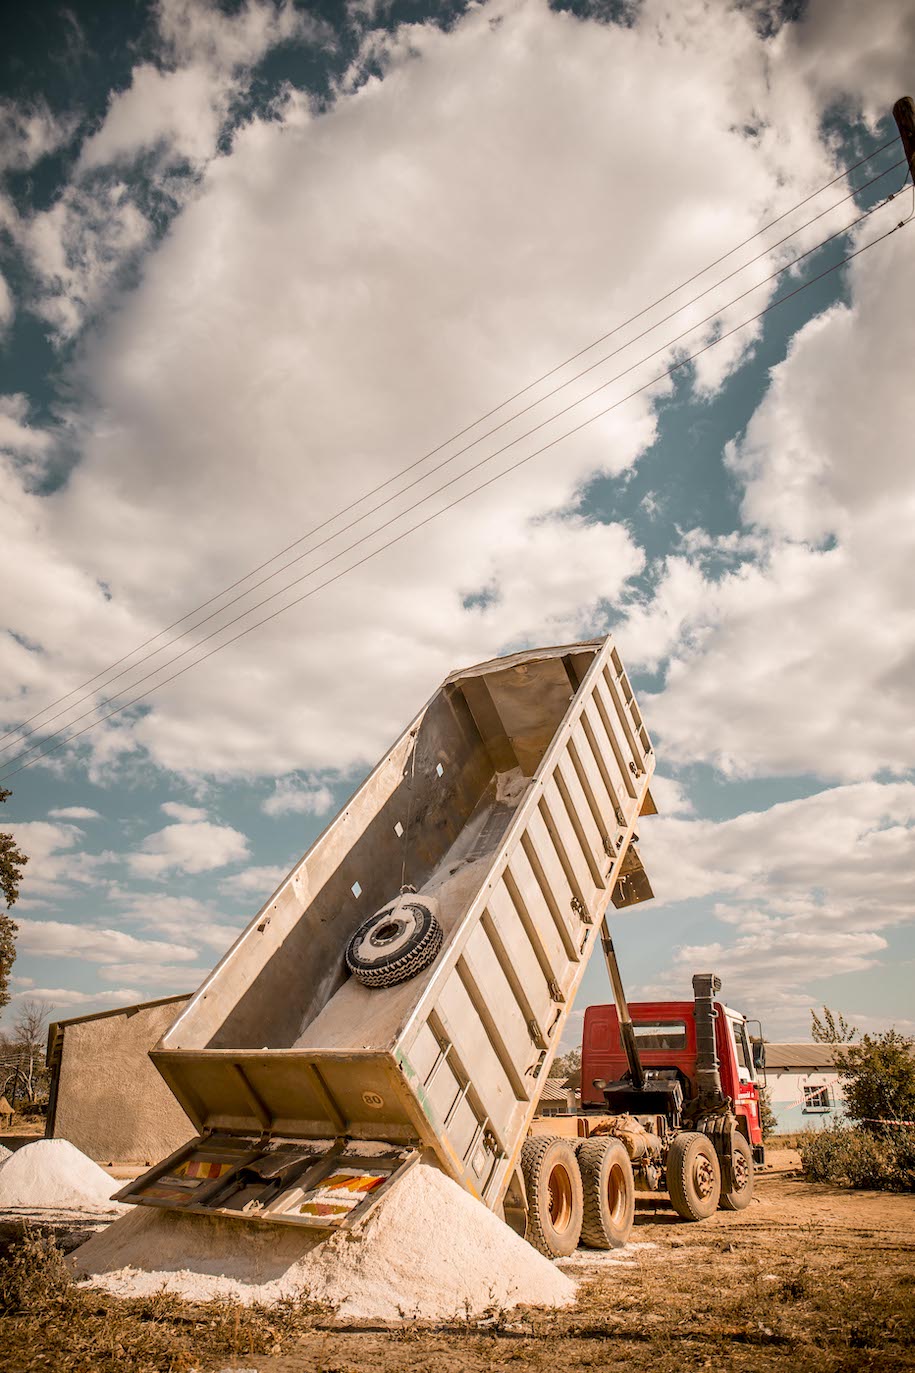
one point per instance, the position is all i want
(323, 1185)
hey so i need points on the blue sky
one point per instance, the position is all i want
(256, 259)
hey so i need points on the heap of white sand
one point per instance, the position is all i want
(4, 1152)
(428, 1250)
(52, 1175)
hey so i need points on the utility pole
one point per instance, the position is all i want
(904, 115)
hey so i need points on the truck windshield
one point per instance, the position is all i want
(667, 1034)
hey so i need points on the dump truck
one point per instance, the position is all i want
(403, 992)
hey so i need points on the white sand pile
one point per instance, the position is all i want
(4, 1152)
(427, 1250)
(52, 1174)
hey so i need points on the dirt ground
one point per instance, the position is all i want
(810, 1278)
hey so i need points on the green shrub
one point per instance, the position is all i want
(883, 1160)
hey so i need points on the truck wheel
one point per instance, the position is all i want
(609, 1193)
(396, 943)
(554, 1195)
(741, 1194)
(693, 1176)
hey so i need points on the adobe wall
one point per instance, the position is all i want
(111, 1102)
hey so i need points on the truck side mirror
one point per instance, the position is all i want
(759, 1054)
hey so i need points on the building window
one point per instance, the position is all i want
(816, 1099)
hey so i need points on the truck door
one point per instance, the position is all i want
(746, 1100)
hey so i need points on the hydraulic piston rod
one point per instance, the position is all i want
(627, 1033)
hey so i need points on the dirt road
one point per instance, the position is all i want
(809, 1278)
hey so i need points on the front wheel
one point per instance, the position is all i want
(741, 1194)
(693, 1176)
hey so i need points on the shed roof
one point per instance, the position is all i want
(801, 1055)
(555, 1089)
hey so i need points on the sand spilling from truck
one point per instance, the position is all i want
(52, 1175)
(428, 1250)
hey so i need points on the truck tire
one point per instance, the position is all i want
(555, 1204)
(396, 943)
(609, 1193)
(741, 1194)
(693, 1176)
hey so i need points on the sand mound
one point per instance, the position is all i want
(4, 1152)
(427, 1250)
(52, 1174)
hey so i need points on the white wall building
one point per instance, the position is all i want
(805, 1092)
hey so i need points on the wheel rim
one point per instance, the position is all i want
(703, 1177)
(741, 1172)
(560, 1198)
(616, 1192)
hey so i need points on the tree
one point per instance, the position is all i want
(832, 1029)
(29, 1035)
(878, 1078)
(568, 1066)
(12, 861)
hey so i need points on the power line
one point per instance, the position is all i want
(781, 300)
(453, 438)
(461, 451)
(466, 472)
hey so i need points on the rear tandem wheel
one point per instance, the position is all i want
(609, 1193)
(552, 1180)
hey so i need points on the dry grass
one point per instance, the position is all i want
(815, 1279)
(47, 1322)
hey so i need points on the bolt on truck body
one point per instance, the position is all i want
(503, 817)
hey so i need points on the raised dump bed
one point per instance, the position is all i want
(508, 805)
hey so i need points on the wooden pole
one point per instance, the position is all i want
(904, 115)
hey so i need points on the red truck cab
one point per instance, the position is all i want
(665, 1032)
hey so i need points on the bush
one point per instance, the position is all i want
(882, 1160)
(878, 1077)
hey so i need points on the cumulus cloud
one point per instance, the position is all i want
(95, 944)
(62, 998)
(801, 658)
(177, 810)
(803, 890)
(57, 863)
(195, 846)
(74, 813)
(307, 325)
(257, 882)
(292, 796)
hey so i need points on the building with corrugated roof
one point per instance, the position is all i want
(804, 1088)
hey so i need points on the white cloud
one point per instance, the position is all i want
(56, 862)
(94, 944)
(187, 847)
(74, 813)
(184, 918)
(174, 978)
(7, 304)
(178, 811)
(342, 252)
(801, 891)
(62, 998)
(180, 112)
(16, 435)
(179, 109)
(29, 133)
(292, 796)
(259, 882)
(803, 658)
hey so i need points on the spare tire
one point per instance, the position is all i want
(396, 943)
